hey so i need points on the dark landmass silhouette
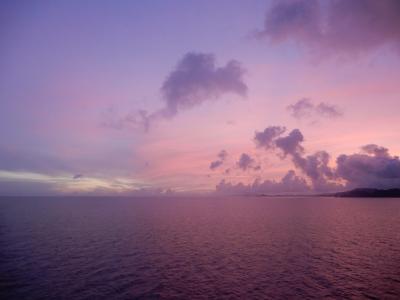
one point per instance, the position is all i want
(371, 193)
(356, 193)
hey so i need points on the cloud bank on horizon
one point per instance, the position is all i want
(374, 167)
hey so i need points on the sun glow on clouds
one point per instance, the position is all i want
(67, 184)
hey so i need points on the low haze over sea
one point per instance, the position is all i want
(199, 248)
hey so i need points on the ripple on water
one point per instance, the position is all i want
(200, 248)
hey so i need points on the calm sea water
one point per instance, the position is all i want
(199, 248)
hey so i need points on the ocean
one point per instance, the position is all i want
(199, 248)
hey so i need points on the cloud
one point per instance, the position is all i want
(315, 166)
(135, 119)
(246, 162)
(374, 168)
(222, 154)
(221, 158)
(306, 109)
(264, 139)
(328, 110)
(215, 164)
(290, 183)
(292, 19)
(77, 176)
(64, 164)
(290, 144)
(375, 150)
(151, 192)
(196, 79)
(339, 27)
(12, 159)
(301, 109)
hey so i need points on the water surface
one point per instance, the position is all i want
(199, 248)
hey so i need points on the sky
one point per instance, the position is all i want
(160, 97)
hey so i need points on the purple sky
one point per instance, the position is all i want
(148, 97)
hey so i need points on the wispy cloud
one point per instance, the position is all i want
(305, 108)
(221, 158)
(290, 183)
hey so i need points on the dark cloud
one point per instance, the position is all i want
(264, 139)
(246, 162)
(339, 27)
(221, 158)
(290, 183)
(306, 109)
(77, 176)
(374, 168)
(195, 80)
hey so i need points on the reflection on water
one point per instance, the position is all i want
(199, 248)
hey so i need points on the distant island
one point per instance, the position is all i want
(355, 193)
(371, 193)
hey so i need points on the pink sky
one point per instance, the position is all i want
(74, 78)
